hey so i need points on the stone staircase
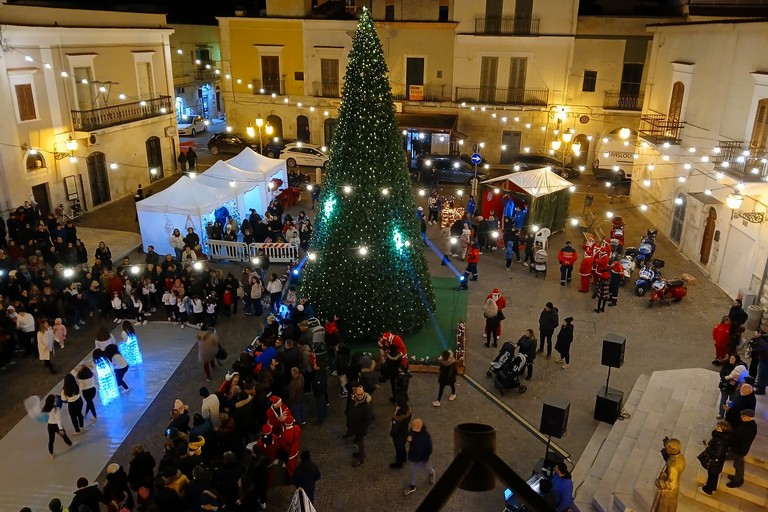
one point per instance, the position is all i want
(618, 468)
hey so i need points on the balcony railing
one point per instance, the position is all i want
(732, 158)
(657, 128)
(88, 120)
(268, 87)
(618, 101)
(404, 92)
(327, 89)
(499, 96)
(507, 26)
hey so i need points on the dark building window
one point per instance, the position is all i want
(389, 12)
(590, 81)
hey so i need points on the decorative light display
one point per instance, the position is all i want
(131, 351)
(369, 264)
(107, 383)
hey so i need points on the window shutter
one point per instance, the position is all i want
(25, 102)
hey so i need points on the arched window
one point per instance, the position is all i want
(277, 126)
(329, 126)
(678, 218)
(302, 128)
(676, 102)
(35, 161)
(154, 158)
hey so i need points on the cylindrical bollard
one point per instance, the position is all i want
(475, 438)
(318, 175)
(754, 315)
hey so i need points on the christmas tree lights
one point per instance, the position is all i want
(368, 263)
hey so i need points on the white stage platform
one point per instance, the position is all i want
(30, 478)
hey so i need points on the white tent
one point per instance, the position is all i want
(248, 186)
(536, 182)
(268, 168)
(182, 205)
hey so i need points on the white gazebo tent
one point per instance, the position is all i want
(536, 182)
(180, 206)
(247, 185)
(269, 168)
(548, 201)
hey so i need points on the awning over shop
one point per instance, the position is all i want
(429, 122)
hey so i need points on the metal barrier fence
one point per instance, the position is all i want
(277, 252)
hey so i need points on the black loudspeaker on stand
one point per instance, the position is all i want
(609, 401)
(554, 423)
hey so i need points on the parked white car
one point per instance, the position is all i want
(303, 154)
(192, 125)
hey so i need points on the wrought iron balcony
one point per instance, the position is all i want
(618, 101)
(89, 120)
(657, 128)
(500, 96)
(733, 159)
(269, 86)
(403, 92)
(507, 26)
(327, 89)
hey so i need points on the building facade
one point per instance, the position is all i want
(92, 105)
(197, 76)
(705, 162)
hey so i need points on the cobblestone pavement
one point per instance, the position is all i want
(660, 338)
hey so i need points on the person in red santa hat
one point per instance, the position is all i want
(386, 340)
(501, 303)
(602, 289)
(602, 261)
(278, 415)
(585, 268)
(290, 445)
(267, 443)
(393, 355)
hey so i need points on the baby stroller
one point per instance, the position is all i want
(539, 262)
(507, 368)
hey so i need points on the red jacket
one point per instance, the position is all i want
(567, 256)
(473, 255)
(721, 333)
(585, 269)
(500, 301)
(617, 268)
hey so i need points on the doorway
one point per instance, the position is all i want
(40, 195)
(277, 126)
(154, 158)
(302, 128)
(329, 126)
(98, 177)
(510, 140)
(581, 158)
(414, 76)
(678, 219)
(709, 235)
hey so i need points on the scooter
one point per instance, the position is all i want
(628, 263)
(644, 252)
(647, 276)
(672, 290)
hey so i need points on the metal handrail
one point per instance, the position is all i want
(94, 119)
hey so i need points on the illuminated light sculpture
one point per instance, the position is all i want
(131, 350)
(107, 383)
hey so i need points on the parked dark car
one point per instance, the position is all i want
(452, 169)
(230, 143)
(273, 148)
(529, 162)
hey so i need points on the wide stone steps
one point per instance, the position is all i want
(618, 469)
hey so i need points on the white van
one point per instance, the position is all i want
(614, 160)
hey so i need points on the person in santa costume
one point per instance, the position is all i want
(602, 261)
(585, 269)
(278, 415)
(267, 443)
(501, 303)
(386, 340)
(290, 445)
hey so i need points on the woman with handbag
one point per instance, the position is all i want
(713, 457)
(207, 347)
(732, 373)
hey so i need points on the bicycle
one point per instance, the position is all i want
(75, 212)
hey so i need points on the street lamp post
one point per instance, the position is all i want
(259, 125)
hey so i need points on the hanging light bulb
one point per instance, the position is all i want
(572, 188)
(719, 175)
(643, 207)
(646, 183)
(681, 179)
(609, 215)
(678, 200)
(665, 158)
(725, 164)
(691, 150)
(740, 186)
(687, 166)
(734, 201)
(708, 192)
(574, 221)
(624, 133)
(422, 192)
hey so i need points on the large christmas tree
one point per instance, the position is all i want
(366, 259)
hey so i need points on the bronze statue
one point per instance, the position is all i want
(668, 482)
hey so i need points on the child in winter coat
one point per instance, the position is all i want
(59, 332)
(509, 251)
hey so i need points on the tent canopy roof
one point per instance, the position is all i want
(222, 174)
(250, 161)
(186, 196)
(536, 182)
